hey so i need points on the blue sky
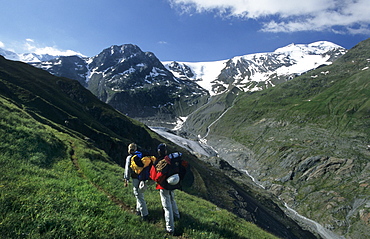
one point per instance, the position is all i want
(182, 30)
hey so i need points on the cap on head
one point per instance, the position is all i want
(162, 148)
(132, 148)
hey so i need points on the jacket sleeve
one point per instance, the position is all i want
(127, 168)
(152, 173)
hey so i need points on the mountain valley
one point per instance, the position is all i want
(61, 171)
(302, 140)
(296, 120)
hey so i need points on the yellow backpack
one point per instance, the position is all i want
(146, 160)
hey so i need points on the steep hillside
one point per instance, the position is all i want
(65, 104)
(304, 140)
(60, 175)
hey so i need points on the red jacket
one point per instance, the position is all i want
(172, 166)
(157, 177)
(160, 177)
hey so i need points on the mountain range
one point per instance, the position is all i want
(163, 91)
(254, 72)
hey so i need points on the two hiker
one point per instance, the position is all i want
(167, 171)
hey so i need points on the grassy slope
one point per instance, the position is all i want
(59, 179)
(324, 113)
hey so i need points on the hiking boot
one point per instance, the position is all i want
(168, 235)
(145, 218)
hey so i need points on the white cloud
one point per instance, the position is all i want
(163, 42)
(352, 16)
(255, 9)
(31, 47)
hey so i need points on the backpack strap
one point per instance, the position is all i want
(138, 164)
(137, 160)
(161, 165)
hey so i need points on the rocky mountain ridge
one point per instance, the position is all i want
(132, 81)
(254, 72)
(139, 85)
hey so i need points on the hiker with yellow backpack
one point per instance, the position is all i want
(137, 167)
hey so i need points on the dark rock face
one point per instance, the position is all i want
(182, 69)
(132, 81)
(73, 67)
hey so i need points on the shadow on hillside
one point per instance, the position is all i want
(189, 223)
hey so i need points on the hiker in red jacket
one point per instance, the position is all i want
(165, 171)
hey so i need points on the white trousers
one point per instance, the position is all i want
(140, 202)
(170, 208)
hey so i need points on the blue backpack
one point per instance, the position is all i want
(144, 174)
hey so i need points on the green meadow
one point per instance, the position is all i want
(54, 185)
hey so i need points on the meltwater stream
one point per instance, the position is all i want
(203, 149)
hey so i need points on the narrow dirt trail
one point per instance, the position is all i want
(113, 198)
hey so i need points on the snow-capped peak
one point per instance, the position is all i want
(257, 71)
(202, 72)
(46, 54)
(318, 47)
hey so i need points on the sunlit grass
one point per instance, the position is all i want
(54, 185)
